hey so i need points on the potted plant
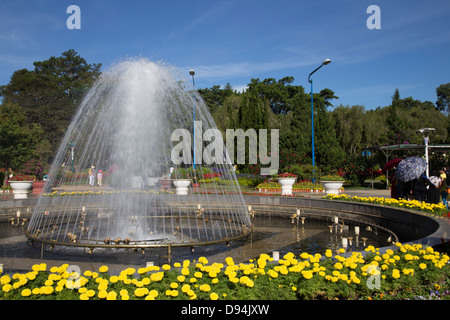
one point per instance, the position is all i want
(181, 180)
(286, 180)
(332, 183)
(20, 184)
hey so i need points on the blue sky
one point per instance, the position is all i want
(235, 41)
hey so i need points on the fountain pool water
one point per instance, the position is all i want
(124, 127)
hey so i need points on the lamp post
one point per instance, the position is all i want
(72, 155)
(192, 73)
(425, 131)
(324, 63)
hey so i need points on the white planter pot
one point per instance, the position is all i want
(21, 188)
(181, 186)
(286, 185)
(332, 187)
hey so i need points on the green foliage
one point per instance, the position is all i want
(18, 138)
(50, 94)
(443, 95)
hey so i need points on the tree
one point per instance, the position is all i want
(397, 132)
(349, 126)
(215, 96)
(49, 94)
(443, 95)
(329, 153)
(296, 138)
(18, 138)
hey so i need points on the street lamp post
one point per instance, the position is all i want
(192, 73)
(425, 131)
(325, 62)
(72, 155)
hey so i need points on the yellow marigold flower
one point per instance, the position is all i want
(185, 288)
(230, 262)
(36, 267)
(214, 296)
(395, 273)
(422, 266)
(304, 255)
(307, 274)
(102, 286)
(48, 290)
(356, 280)
(408, 257)
(166, 267)
(273, 273)
(82, 290)
(203, 260)
(153, 293)
(112, 295)
(174, 285)
(140, 292)
(185, 271)
(338, 265)
(142, 270)
(103, 269)
(102, 294)
(26, 292)
(205, 287)
(84, 296)
(198, 274)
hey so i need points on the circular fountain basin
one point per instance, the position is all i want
(275, 229)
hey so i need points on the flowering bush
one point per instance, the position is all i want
(305, 276)
(286, 175)
(332, 177)
(22, 177)
(35, 168)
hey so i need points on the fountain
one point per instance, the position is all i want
(125, 127)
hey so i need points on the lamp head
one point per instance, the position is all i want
(191, 72)
(326, 61)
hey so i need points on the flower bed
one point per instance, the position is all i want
(437, 209)
(307, 276)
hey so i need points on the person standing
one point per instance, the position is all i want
(433, 194)
(99, 178)
(419, 187)
(92, 176)
(444, 186)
